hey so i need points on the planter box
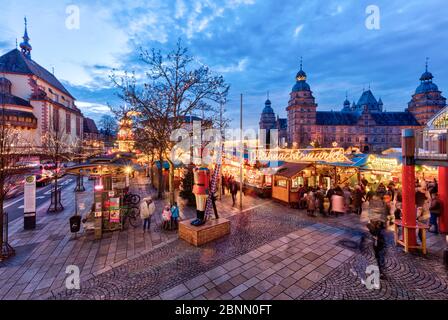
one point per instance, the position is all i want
(197, 236)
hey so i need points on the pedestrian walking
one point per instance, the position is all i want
(175, 213)
(234, 191)
(311, 204)
(377, 230)
(166, 218)
(357, 200)
(147, 209)
(320, 199)
(434, 210)
(330, 194)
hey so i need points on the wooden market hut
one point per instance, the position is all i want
(287, 181)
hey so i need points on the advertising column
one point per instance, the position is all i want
(408, 183)
(29, 206)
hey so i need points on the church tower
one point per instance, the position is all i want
(301, 112)
(268, 121)
(427, 99)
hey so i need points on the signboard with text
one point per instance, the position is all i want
(30, 195)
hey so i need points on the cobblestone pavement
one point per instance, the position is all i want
(273, 252)
(408, 277)
(43, 254)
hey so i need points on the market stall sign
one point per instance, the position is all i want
(381, 164)
(304, 155)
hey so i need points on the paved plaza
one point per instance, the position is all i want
(273, 252)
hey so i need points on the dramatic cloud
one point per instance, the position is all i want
(256, 45)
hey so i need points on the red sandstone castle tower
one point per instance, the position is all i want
(427, 100)
(301, 112)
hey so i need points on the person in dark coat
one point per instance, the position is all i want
(357, 200)
(320, 198)
(377, 230)
(330, 193)
(420, 198)
(435, 210)
(233, 191)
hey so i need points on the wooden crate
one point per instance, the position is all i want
(197, 236)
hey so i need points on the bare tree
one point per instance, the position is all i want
(108, 127)
(58, 146)
(176, 86)
(11, 149)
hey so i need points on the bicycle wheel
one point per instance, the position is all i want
(133, 213)
(135, 199)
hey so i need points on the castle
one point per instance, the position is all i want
(365, 124)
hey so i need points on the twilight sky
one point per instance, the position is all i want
(255, 44)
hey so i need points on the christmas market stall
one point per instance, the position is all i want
(376, 169)
(288, 180)
(111, 176)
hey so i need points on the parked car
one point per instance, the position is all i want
(42, 180)
(15, 191)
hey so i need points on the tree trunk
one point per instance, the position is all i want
(160, 186)
(56, 200)
(171, 183)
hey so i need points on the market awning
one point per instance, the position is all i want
(289, 170)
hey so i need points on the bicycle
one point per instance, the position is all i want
(131, 199)
(131, 214)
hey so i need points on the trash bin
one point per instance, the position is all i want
(75, 224)
(29, 221)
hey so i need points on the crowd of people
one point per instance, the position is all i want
(341, 199)
(170, 215)
(337, 200)
(345, 199)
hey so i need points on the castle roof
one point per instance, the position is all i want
(331, 118)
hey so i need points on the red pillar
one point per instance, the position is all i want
(409, 214)
(443, 196)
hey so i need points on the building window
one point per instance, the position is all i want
(56, 120)
(78, 126)
(68, 123)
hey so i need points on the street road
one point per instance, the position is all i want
(14, 206)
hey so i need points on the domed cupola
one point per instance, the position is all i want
(5, 86)
(426, 84)
(427, 100)
(301, 84)
(268, 107)
(346, 107)
(267, 119)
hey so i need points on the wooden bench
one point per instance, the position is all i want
(405, 242)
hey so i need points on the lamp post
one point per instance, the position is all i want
(241, 153)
